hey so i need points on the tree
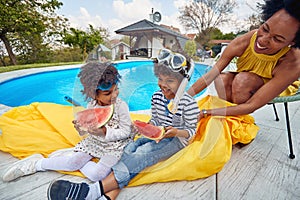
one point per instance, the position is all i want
(203, 15)
(85, 40)
(254, 20)
(190, 48)
(216, 34)
(22, 21)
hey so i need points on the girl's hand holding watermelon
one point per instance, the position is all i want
(91, 130)
(78, 129)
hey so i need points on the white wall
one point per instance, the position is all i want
(156, 46)
(115, 51)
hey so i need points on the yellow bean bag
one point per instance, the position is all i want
(208, 151)
(46, 127)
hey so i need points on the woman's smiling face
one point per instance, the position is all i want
(277, 32)
(168, 85)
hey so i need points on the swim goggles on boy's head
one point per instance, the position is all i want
(175, 61)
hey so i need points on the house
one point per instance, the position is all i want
(191, 36)
(101, 52)
(120, 50)
(147, 38)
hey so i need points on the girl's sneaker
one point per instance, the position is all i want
(21, 168)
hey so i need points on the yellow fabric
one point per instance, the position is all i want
(45, 127)
(291, 90)
(209, 150)
(260, 64)
(37, 128)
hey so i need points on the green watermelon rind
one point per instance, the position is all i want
(99, 125)
(110, 116)
(162, 134)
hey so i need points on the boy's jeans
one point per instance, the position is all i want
(141, 154)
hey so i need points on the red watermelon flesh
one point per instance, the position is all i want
(149, 131)
(94, 117)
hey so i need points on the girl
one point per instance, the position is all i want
(100, 84)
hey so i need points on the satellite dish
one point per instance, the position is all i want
(156, 17)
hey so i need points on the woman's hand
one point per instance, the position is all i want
(203, 113)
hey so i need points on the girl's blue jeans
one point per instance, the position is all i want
(143, 153)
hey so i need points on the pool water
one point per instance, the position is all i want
(137, 85)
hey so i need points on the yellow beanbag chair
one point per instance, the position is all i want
(46, 127)
(209, 150)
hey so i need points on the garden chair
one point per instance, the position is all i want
(285, 100)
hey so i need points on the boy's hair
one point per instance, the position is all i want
(163, 69)
(291, 6)
(94, 74)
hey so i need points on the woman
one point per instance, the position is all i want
(269, 61)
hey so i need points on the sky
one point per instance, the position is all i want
(116, 14)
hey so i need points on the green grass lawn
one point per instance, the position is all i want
(39, 65)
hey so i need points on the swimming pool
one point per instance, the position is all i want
(136, 88)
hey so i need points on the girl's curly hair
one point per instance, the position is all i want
(93, 74)
(291, 6)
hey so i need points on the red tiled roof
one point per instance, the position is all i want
(219, 41)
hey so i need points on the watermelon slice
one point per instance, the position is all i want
(94, 117)
(149, 131)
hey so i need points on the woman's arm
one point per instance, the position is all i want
(285, 73)
(235, 48)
